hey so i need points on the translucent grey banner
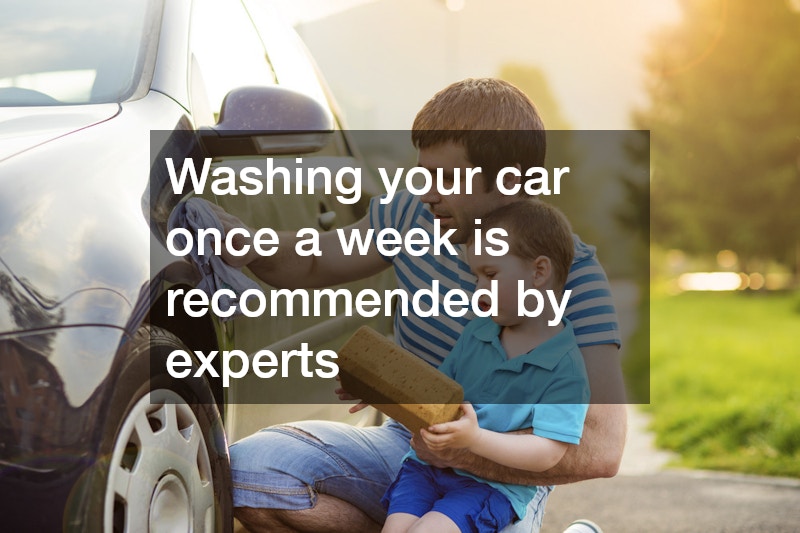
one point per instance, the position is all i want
(270, 339)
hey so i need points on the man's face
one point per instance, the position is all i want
(457, 211)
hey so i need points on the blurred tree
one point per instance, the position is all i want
(595, 191)
(532, 81)
(634, 212)
(561, 150)
(725, 120)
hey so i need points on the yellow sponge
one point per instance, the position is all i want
(397, 382)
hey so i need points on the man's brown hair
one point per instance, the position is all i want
(536, 228)
(497, 124)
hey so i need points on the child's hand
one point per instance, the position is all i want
(461, 433)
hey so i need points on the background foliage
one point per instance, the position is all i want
(725, 122)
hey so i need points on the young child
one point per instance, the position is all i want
(517, 372)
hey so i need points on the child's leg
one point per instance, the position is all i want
(399, 523)
(434, 522)
(410, 496)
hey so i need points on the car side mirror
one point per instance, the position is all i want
(268, 120)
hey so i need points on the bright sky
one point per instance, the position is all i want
(385, 58)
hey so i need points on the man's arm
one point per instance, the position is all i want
(286, 269)
(598, 454)
(527, 452)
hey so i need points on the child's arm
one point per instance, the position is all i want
(526, 452)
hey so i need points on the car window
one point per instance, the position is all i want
(227, 53)
(77, 52)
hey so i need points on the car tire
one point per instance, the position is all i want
(163, 462)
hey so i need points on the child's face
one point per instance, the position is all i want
(507, 270)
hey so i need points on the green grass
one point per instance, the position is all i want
(725, 380)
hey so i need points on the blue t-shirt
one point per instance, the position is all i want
(590, 307)
(546, 389)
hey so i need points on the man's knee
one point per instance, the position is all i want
(329, 514)
(261, 457)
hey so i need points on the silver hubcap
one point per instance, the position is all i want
(160, 474)
(169, 509)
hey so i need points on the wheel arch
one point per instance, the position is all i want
(197, 333)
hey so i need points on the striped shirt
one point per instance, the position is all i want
(590, 307)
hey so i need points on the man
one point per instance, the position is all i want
(321, 476)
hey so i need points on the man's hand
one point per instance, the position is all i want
(461, 433)
(239, 241)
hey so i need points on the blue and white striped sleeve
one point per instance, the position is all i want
(397, 214)
(590, 307)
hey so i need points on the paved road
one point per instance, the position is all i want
(679, 502)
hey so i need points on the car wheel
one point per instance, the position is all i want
(160, 469)
(164, 463)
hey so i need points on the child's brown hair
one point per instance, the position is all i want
(536, 228)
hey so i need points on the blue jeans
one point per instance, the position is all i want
(286, 466)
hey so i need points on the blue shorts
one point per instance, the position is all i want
(475, 507)
(288, 465)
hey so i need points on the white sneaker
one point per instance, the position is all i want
(583, 526)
